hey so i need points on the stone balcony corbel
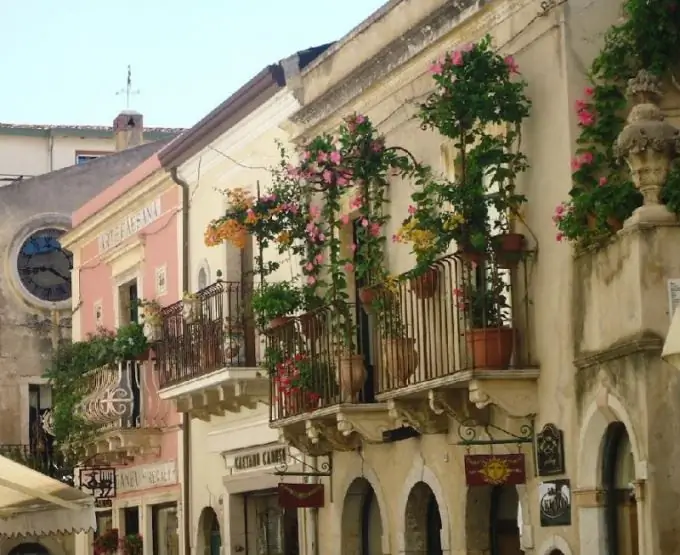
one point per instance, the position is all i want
(517, 398)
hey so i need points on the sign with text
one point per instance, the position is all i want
(146, 476)
(129, 226)
(495, 470)
(301, 496)
(253, 460)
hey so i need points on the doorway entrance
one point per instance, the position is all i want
(423, 526)
(492, 520)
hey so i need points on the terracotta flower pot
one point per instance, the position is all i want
(278, 322)
(491, 348)
(400, 359)
(352, 369)
(367, 296)
(509, 248)
(614, 224)
(425, 286)
(470, 255)
(312, 324)
(591, 221)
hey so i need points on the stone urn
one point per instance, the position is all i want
(649, 145)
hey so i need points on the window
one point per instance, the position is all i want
(202, 279)
(165, 523)
(131, 520)
(104, 522)
(84, 156)
(276, 529)
(161, 281)
(129, 303)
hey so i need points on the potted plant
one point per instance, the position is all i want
(489, 337)
(234, 341)
(130, 343)
(153, 321)
(424, 286)
(106, 543)
(191, 307)
(274, 303)
(312, 321)
(399, 355)
(303, 382)
(131, 544)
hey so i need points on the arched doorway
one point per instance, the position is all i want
(492, 520)
(209, 537)
(29, 549)
(361, 520)
(618, 477)
(423, 526)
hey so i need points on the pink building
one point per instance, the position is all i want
(126, 251)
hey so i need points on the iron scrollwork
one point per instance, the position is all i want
(98, 481)
(323, 468)
(471, 434)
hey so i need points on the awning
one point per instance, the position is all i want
(33, 504)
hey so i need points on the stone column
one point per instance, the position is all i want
(649, 144)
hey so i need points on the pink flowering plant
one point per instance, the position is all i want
(603, 195)
(476, 90)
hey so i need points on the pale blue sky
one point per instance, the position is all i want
(62, 61)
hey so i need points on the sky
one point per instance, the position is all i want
(62, 61)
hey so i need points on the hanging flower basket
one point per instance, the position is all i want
(509, 249)
(425, 286)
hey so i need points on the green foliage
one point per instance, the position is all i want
(273, 300)
(480, 104)
(485, 303)
(68, 376)
(647, 38)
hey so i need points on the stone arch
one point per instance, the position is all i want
(479, 505)
(422, 473)
(359, 512)
(208, 521)
(605, 409)
(422, 512)
(51, 544)
(554, 545)
(369, 476)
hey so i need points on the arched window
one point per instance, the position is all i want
(618, 476)
(203, 277)
(29, 549)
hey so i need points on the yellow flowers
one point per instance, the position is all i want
(422, 239)
(240, 198)
(453, 221)
(284, 238)
(230, 230)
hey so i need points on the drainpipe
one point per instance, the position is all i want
(186, 419)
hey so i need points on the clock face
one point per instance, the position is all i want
(44, 267)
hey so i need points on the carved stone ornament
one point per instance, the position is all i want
(649, 144)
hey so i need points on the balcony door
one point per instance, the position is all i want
(363, 321)
(128, 295)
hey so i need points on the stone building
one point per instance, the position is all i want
(35, 289)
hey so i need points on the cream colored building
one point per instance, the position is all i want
(209, 363)
(30, 150)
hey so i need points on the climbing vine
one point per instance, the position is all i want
(603, 195)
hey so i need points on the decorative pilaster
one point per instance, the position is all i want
(649, 144)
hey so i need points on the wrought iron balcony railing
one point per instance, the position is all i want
(48, 461)
(123, 397)
(456, 317)
(211, 331)
(319, 359)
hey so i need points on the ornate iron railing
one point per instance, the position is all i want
(458, 316)
(45, 460)
(319, 359)
(213, 331)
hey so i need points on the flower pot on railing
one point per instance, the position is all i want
(153, 330)
(234, 346)
(509, 249)
(367, 295)
(191, 309)
(425, 286)
(278, 322)
(352, 375)
(491, 348)
(400, 359)
(313, 324)
(470, 254)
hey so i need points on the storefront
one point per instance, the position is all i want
(255, 516)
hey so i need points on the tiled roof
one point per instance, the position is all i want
(38, 127)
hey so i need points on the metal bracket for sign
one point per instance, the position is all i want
(470, 434)
(322, 469)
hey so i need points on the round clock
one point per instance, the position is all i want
(44, 267)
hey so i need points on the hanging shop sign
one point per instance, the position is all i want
(495, 470)
(129, 226)
(554, 498)
(301, 496)
(550, 451)
(100, 482)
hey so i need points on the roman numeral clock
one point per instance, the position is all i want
(44, 267)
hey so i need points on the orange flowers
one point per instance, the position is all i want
(230, 230)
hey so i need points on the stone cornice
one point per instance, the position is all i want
(399, 51)
(642, 342)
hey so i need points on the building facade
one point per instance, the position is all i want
(125, 245)
(32, 150)
(211, 350)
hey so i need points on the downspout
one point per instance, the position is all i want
(186, 419)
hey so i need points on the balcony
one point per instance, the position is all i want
(206, 358)
(441, 348)
(41, 457)
(122, 403)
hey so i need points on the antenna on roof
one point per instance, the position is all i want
(127, 91)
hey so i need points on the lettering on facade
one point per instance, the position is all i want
(266, 457)
(147, 476)
(129, 226)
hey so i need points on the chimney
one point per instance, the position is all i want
(128, 129)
